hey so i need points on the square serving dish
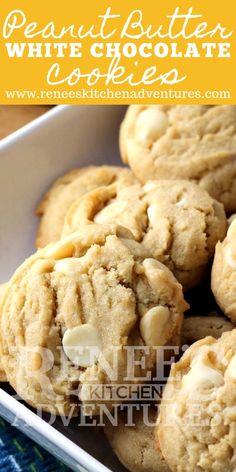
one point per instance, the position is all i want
(30, 160)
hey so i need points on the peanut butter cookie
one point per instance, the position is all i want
(177, 222)
(3, 377)
(72, 309)
(66, 189)
(135, 445)
(196, 142)
(223, 277)
(197, 417)
(199, 327)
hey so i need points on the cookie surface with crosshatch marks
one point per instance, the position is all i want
(74, 305)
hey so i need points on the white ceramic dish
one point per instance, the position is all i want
(30, 159)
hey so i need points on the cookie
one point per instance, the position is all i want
(223, 276)
(198, 327)
(176, 221)
(231, 218)
(66, 189)
(3, 377)
(95, 288)
(135, 445)
(194, 142)
(197, 416)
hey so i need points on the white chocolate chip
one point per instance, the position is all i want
(151, 265)
(153, 269)
(150, 186)
(232, 368)
(231, 234)
(82, 344)
(61, 249)
(151, 124)
(153, 326)
(69, 266)
(202, 375)
(110, 212)
(41, 266)
(181, 202)
(155, 217)
(152, 213)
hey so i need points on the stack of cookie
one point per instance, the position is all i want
(117, 249)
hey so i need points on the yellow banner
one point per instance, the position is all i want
(117, 51)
